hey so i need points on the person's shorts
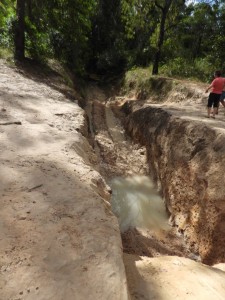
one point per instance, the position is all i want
(213, 100)
(222, 97)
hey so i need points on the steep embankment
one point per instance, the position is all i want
(186, 157)
(176, 140)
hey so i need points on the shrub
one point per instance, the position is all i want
(201, 69)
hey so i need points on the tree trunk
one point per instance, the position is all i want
(159, 45)
(19, 38)
(29, 10)
(164, 10)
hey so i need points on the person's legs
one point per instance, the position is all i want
(222, 97)
(209, 112)
(210, 103)
(216, 101)
(222, 102)
(217, 109)
(215, 112)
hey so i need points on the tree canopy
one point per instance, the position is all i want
(109, 36)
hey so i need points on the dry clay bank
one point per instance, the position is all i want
(58, 236)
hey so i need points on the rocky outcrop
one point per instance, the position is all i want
(187, 160)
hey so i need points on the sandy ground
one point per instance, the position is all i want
(58, 238)
(172, 277)
(196, 112)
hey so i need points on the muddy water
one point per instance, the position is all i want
(137, 204)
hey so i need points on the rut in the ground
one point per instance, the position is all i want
(120, 156)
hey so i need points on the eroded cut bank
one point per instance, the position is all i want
(187, 159)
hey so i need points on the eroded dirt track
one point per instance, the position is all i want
(58, 238)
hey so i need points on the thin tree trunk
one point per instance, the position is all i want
(164, 10)
(19, 38)
(155, 69)
(29, 10)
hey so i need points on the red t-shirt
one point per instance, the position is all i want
(217, 85)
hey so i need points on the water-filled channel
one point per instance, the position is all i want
(136, 203)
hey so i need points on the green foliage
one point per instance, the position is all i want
(201, 69)
(107, 43)
(69, 25)
(145, 84)
(140, 21)
(109, 36)
(5, 53)
(38, 44)
(138, 16)
(136, 79)
(7, 16)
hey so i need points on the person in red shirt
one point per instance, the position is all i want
(216, 87)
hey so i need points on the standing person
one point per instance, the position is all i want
(222, 97)
(216, 87)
